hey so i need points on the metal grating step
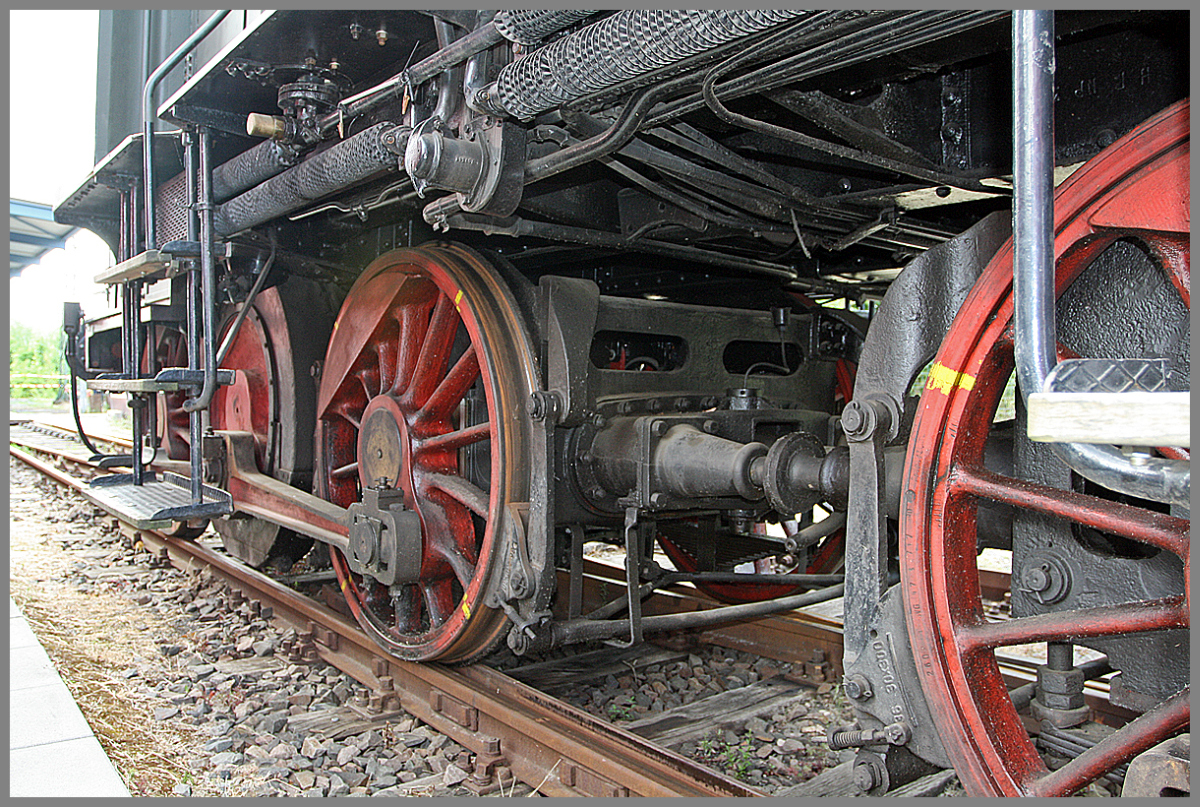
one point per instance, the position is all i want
(49, 440)
(164, 498)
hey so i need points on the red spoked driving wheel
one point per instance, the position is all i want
(424, 390)
(1137, 190)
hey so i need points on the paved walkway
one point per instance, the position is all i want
(51, 748)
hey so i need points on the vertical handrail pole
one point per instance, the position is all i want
(148, 115)
(1033, 197)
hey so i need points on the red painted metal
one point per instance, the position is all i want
(170, 349)
(250, 404)
(1147, 526)
(420, 329)
(1111, 197)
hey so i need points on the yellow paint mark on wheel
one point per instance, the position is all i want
(457, 299)
(944, 379)
(343, 585)
(466, 608)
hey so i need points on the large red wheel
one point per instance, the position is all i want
(1137, 190)
(273, 397)
(424, 390)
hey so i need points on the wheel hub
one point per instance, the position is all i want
(384, 448)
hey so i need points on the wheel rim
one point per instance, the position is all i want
(424, 385)
(1136, 189)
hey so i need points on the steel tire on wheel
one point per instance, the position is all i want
(431, 360)
(1136, 189)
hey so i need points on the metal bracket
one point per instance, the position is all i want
(385, 538)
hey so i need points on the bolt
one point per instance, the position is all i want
(681, 403)
(857, 687)
(334, 64)
(897, 733)
(625, 407)
(853, 419)
(597, 492)
(658, 428)
(866, 776)
(710, 427)
(656, 499)
(381, 36)
(355, 31)
(536, 406)
(1036, 578)
(654, 405)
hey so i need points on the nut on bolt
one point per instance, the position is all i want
(542, 405)
(867, 775)
(857, 687)
(897, 733)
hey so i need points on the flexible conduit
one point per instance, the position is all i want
(626, 45)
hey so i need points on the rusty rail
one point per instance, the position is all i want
(550, 745)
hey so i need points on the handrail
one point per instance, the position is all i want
(152, 82)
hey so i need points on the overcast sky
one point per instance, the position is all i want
(52, 96)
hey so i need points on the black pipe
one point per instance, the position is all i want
(583, 630)
(208, 272)
(524, 26)
(622, 130)
(521, 228)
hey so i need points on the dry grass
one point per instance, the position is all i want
(91, 639)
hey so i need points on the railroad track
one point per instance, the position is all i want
(505, 723)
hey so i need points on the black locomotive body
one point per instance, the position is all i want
(455, 292)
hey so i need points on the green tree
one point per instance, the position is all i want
(34, 359)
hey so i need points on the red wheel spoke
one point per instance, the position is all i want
(386, 348)
(345, 471)
(1103, 620)
(350, 415)
(464, 570)
(1155, 529)
(435, 352)
(369, 378)
(461, 438)
(439, 600)
(414, 320)
(1119, 747)
(454, 386)
(459, 489)
(406, 610)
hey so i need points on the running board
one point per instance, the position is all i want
(159, 501)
